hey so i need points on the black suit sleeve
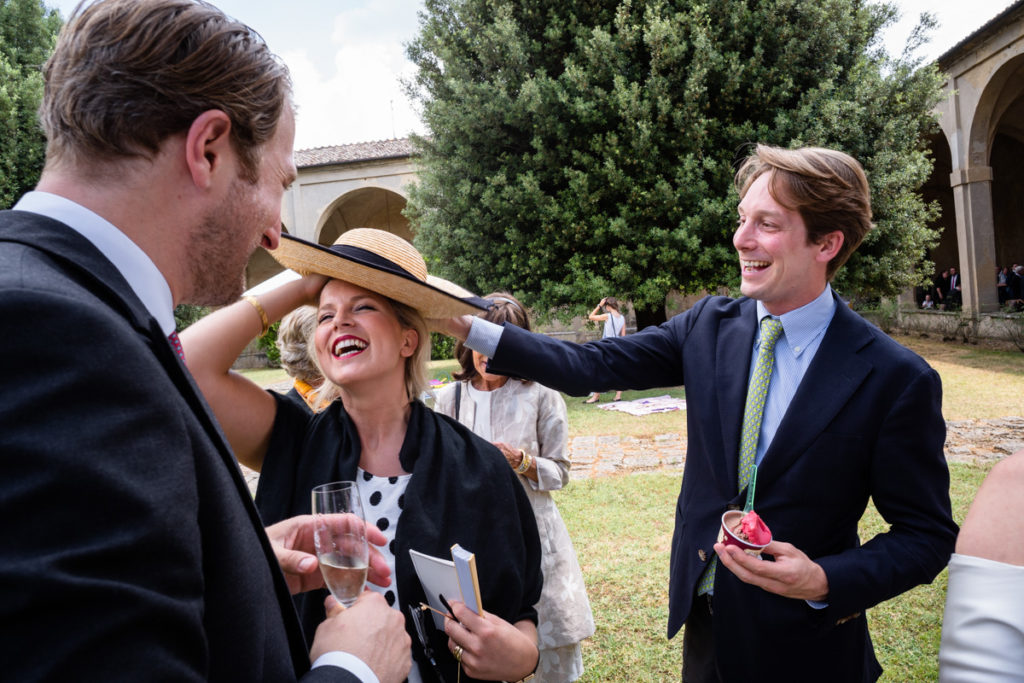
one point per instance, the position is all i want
(330, 674)
(102, 572)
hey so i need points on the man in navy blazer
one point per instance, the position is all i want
(850, 416)
(131, 549)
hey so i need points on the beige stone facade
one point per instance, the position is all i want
(979, 177)
(363, 185)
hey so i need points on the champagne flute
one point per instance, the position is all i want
(339, 534)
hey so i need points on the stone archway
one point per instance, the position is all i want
(341, 187)
(366, 207)
(982, 118)
(937, 189)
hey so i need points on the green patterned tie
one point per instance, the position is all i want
(757, 391)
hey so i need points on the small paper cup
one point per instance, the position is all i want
(729, 520)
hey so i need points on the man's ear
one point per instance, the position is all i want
(829, 245)
(208, 146)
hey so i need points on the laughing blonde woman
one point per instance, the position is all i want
(425, 481)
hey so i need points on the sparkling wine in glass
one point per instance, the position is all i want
(340, 537)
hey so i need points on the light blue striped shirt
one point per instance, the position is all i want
(802, 331)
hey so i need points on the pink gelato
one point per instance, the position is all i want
(744, 530)
(752, 528)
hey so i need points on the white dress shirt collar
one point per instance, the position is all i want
(134, 264)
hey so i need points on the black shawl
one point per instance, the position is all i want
(462, 491)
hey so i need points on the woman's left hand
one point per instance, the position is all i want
(492, 648)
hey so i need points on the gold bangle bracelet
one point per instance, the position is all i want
(524, 463)
(264, 320)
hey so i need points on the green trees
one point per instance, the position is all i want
(584, 149)
(28, 32)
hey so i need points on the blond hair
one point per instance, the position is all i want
(294, 340)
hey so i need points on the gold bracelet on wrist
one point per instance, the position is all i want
(264, 320)
(524, 463)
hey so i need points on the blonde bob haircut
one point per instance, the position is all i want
(416, 381)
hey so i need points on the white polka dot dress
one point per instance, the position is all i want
(383, 499)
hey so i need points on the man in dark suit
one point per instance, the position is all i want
(131, 546)
(941, 287)
(847, 415)
(955, 296)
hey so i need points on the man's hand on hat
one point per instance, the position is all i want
(457, 327)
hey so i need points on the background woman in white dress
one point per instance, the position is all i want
(527, 422)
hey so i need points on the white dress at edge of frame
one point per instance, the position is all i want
(983, 625)
(532, 417)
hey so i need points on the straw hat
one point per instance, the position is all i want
(381, 262)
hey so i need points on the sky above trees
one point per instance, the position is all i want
(347, 57)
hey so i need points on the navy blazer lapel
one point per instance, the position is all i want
(80, 256)
(732, 370)
(836, 372)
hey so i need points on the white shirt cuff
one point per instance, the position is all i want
(483, 336)
(348, 662)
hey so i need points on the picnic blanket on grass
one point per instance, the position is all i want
(647, 406)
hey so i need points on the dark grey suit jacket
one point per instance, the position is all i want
(865, 423)
(130, 548)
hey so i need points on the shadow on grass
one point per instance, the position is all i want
(967, 355)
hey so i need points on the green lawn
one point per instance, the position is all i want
(624, 551)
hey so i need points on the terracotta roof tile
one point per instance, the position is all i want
(360, 151)
(989, 28)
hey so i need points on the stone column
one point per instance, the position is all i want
(975, 233)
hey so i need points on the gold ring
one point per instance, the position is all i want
(458, 653)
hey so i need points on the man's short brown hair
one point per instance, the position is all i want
(827, 188)
(128, 74)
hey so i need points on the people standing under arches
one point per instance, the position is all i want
(614, 326)
(954, 298)
(942, 288)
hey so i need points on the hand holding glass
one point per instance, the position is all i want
(339, 534)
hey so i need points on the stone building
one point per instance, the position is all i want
(978, 177)
(364, 185)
